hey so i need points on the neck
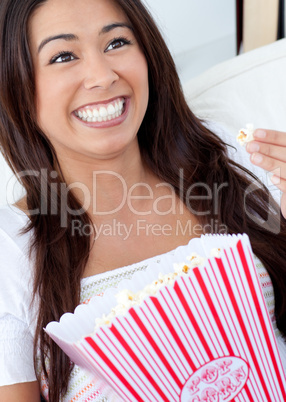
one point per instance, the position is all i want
(103, 186)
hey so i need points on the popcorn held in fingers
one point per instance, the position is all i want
(245, 134)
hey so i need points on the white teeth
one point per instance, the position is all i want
(112, 111)
(103, 112)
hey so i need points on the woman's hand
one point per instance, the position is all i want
(24, 392)
(268, 151)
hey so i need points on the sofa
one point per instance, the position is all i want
(248, 88)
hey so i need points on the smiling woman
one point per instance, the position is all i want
(101, 78)
(94, 122)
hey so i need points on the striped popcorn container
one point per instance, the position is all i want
(207, 338)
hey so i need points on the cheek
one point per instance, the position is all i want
(43, 95)
(141, 78)
(50, 101)
(141, 69)
(136, 69)
(45, 113)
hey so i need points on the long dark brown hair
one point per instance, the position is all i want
(174, 144)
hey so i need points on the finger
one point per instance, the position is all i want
(283, 205)
(270, 136)
(279, 183)
(270, 164)
(273, 151)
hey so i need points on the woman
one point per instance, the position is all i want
(94, 122)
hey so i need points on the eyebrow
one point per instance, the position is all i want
(72, 37)
(110, 27)
(66, 37)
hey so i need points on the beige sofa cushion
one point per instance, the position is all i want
(250, 88)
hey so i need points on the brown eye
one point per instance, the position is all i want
(63, 57)
(117, 44)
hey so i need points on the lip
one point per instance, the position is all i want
(108, 123)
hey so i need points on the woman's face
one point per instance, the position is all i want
(91, 78)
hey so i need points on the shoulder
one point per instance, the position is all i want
(12, 218)
(16, 270)
(17, 315)
(12, 222)
(14, 244)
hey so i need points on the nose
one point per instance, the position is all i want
(99, 73)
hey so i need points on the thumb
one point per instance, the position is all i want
(283, 205)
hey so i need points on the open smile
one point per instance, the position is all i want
(103, 112)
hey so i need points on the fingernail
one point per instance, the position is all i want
(275, 179)
(256, 158)
(253, 147)
(259, 134)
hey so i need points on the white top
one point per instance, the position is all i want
(17, 317)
